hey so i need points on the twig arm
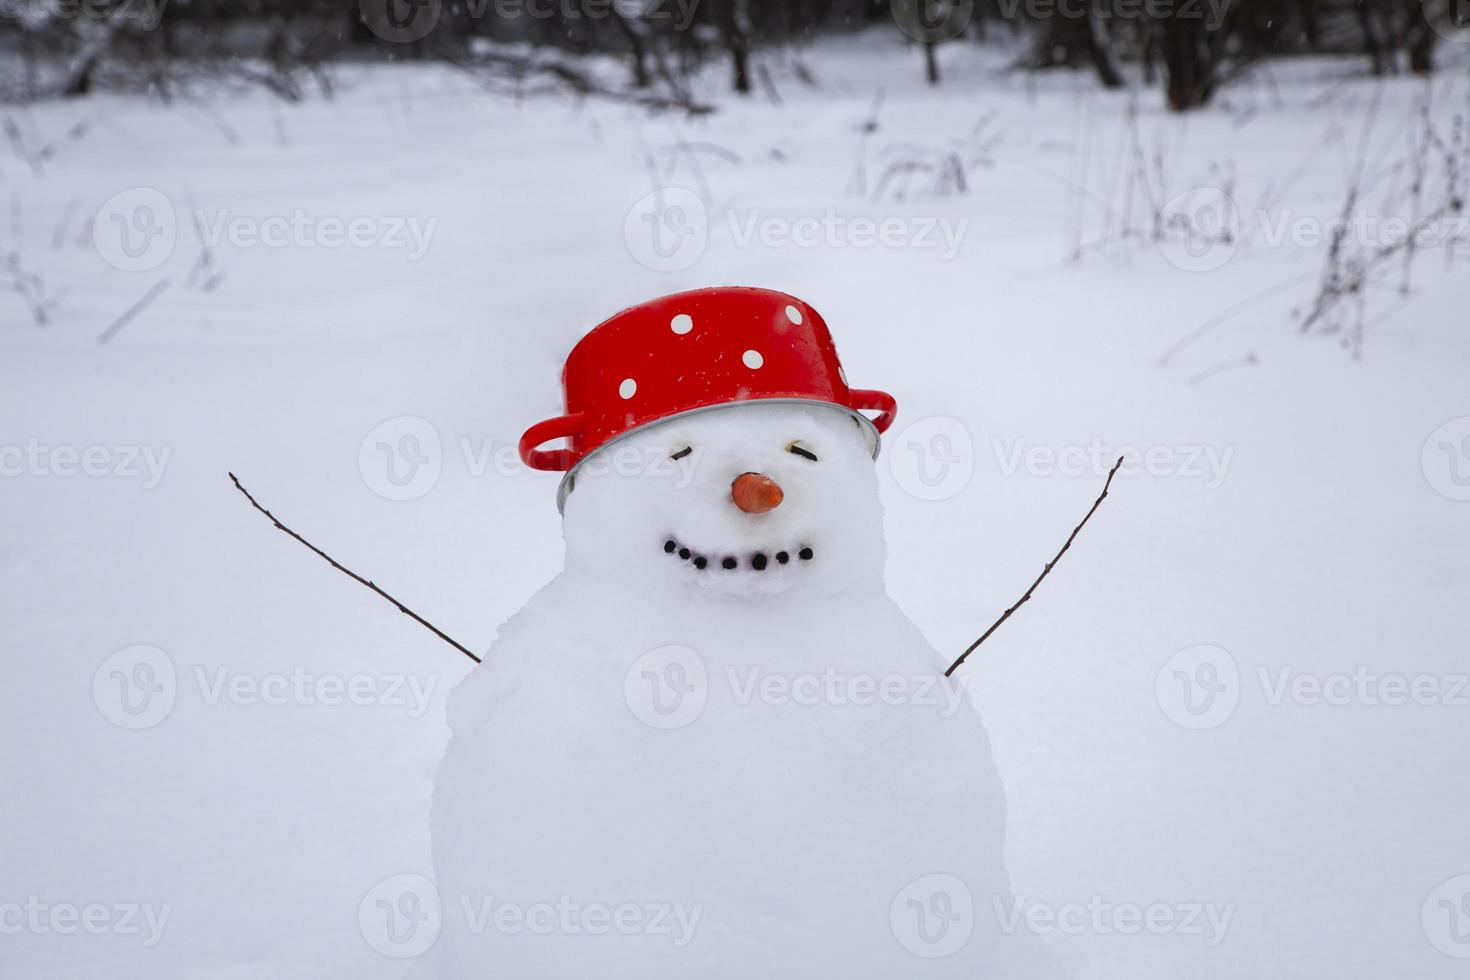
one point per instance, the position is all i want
(351, 574)
(1044, 572)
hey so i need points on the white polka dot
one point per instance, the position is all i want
(752, 359)
(628, 388)
(793, 314)
(682, 323)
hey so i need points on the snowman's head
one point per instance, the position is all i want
(748, 499)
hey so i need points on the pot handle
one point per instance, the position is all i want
(563, 426)
(878, 401)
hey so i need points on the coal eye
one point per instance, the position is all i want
(682, 453)
(800, 450)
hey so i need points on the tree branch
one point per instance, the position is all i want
(353, 575)
(1044, 572)
(131, 313)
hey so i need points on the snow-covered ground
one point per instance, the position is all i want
(1233, 726)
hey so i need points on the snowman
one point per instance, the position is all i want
(712, 746)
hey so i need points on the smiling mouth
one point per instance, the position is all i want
(758, 561)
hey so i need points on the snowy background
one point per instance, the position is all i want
(1241, 694)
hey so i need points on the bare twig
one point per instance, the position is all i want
(1249, 360)
(869, 126)
(30, 287)
(1044, 572)
(1221, 317)
(351, 574)
(694, 166)
(505, 67)
(36, 157)
(768, 83)
(713, 149)
(58, 235)
(204, 273)
(132, 312)
(17, 142)
(1355, 263)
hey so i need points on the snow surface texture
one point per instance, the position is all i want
(768, 757)
(1320, 544)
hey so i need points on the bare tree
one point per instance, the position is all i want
(733, 19)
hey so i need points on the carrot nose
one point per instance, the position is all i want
(756, 493)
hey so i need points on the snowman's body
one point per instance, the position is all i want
(663, 770)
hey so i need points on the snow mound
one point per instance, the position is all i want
(663, 769)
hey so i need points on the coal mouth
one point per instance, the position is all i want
(756, 561)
